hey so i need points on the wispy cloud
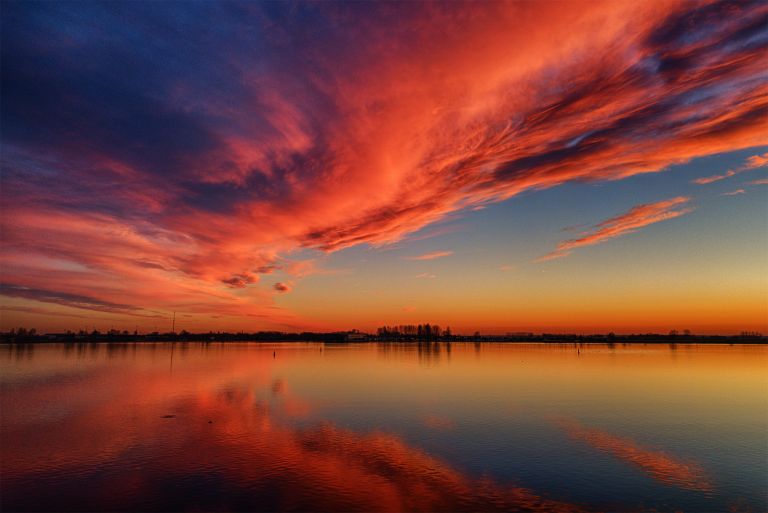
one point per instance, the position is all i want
(735, 193)
(42, 311)
(436, 232)
(761, 181)
(68, 299)
(623, 224)
(425, 275)
(753, 162)
(714, 178)
(431, 256)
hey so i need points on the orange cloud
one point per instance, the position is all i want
(239, 281)
(734, 193)
(659, 465)
(282, 287)
(753, 162)
(623, 224)
(756, 161)
(403, 116)
(714, 178)
(431, 256)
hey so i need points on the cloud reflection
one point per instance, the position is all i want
(233, 440)
(659, 465)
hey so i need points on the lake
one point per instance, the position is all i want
(384, 427)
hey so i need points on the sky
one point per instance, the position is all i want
(495, 167)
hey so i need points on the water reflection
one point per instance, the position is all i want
(440, 422)
(427, 352)
(387, 427)
(19, 351)
(233, 443)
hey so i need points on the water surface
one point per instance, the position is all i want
(383, 427)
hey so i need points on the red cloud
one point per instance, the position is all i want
(623, 224)
(393, 123)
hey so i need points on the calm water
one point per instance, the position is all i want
(312, 427)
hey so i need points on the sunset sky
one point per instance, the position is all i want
(541, 166)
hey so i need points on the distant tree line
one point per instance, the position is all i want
(400, 333)
(22, 332)
(23, 335)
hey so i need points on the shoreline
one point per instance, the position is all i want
(234, 339)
